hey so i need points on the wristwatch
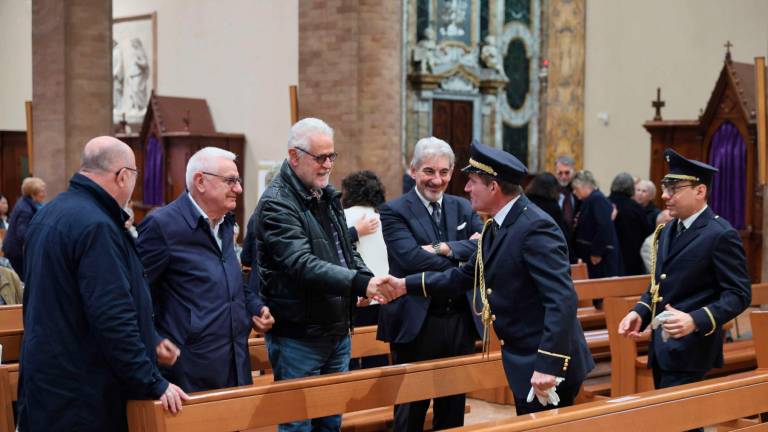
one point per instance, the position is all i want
(436, 247)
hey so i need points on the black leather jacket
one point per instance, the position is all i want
(308, 291)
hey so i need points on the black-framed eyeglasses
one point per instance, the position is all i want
(320, 159)
(230, 181)
(672, 190)
(117, 173)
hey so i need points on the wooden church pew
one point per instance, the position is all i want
(591, 289)
(725, 401)
(579, 271)
(685, 407)
(11, 332)
(256, 406)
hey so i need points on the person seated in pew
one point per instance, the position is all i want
(11, 288)
(201, 301)
(520, 277)
(700, 279)
(310, 273)
(89, 342)
(427, 229)
(645, 251)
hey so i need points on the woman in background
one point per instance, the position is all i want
(33, 193)
(361, 195)
(543, 191)
(631, 224)
(3, 212)
(596, 241)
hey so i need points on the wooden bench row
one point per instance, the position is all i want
(726, 401)
(243, 408)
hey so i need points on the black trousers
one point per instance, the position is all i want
(664, 379)
(441, 335)
(566, 391)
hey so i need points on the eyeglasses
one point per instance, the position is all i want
(230, 181)
(674, 189)
(320, 159)
(117, 173)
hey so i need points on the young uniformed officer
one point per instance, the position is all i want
(700, 279)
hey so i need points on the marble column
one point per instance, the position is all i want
(564, 99)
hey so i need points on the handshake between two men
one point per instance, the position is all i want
(384, 289)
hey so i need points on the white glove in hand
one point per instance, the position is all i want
(658, 320)
(552, 397)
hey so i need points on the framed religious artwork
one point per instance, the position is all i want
(134, 66)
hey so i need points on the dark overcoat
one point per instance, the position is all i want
(596, 236)
(13, 243)
(89, 341)
(631, 226)
(201, 302)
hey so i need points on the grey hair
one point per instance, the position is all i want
(105, 158)
(272, 174)
(204, 160)
(623, 184)
(305, 129)
(585, 178)
(651, 188)
(432, 147)
(565, 160)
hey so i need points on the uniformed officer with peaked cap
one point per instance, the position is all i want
(520, 277)
(699, 276)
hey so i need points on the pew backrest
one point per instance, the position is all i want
(673, 409)
(243, 408)
(590, 289)
(759, 321)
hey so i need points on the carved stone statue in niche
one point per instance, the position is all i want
(490, 55)
(424, 53)
(118, 77)
(138, 73)
(453, 15)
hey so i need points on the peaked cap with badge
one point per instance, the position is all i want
(495, 163)
(681, 169)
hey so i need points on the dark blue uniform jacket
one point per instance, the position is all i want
(702, 272)
(531, 295)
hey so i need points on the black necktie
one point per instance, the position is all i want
(435, 213)
(680, 228)
(490, 234)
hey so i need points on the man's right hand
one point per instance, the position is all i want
(172, 398)
(263, 323)
(379, 289)
(630, 325)
(167, 353)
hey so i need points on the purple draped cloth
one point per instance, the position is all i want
(728, 154)
(153, 173)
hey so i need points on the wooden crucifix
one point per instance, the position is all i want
(658, 104)
(728, 46)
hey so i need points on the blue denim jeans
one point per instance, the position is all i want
(297, 358)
